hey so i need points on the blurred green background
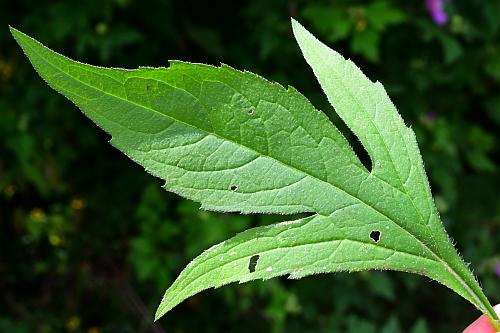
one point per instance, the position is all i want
(89, 241)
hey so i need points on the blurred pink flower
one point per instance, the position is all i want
(431, 116)
(436, 10)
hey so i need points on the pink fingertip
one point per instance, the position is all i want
(482, 324)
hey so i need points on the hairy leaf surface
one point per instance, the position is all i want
(237, 143)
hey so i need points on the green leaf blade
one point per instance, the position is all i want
(236, 142)
(317, 244)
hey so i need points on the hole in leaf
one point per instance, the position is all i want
(253, 263)
(234, 187)
(375, 235)
(251, 110)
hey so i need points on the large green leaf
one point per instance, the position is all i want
(236, 142)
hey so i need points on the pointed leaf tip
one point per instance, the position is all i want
(17, 34)
(158, 315)
(14, 32)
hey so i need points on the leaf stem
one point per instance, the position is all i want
(495, 322)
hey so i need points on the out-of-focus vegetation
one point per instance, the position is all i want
(89, 241)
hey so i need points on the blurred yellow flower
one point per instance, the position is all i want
(361, 25)
(55, 240)
(94, 330)
(72, 323)
(9, 191)
(37, 215)
(77, 204)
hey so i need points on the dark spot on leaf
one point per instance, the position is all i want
(375, 235)
(234, 187)
(148, 87)
(253, 262)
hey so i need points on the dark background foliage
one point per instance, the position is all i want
(89, 241)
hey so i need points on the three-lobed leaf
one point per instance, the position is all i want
(235, 142)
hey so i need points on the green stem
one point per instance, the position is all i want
(495, 323)
(493, 318)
